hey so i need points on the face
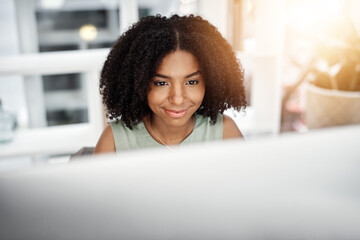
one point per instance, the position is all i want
(177, 89)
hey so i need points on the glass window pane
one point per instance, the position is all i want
(46, 100)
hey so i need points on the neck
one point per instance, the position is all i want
(168, 135)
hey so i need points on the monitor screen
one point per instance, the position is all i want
(290, 187)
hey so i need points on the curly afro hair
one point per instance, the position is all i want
(136, 55)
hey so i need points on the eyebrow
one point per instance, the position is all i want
(193, 74)
(167, 77)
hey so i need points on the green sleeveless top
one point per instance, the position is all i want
(139, 137)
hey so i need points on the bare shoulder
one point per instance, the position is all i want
(106, 142)
(230, 129)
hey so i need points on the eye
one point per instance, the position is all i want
(160, 83)
(192, 82)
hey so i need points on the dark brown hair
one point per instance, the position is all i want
(136, 55)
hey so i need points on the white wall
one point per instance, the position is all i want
(9, 44)
(215, 11)
(12, 87)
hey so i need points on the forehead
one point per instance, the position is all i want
(178, 63)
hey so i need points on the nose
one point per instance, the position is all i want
(177, 94)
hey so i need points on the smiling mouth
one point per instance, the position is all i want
(175, 114)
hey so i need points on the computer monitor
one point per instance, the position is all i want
(290, 187)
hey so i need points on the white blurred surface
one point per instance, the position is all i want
(303, 186)
(55, 140)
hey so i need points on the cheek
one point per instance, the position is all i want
(155, 97)
(201, 94)
(150, 98)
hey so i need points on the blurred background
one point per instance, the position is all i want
(301, 60)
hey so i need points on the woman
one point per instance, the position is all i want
(166, 82)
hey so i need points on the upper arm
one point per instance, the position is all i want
(230, 129)
(106, 142)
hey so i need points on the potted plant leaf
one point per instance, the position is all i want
(333, 89)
